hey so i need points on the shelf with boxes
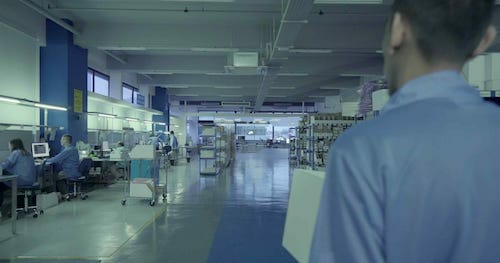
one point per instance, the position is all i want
(315, 134)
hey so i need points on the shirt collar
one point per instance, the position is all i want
(442, 84)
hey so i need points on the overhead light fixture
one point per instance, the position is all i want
(106, 115)
(231, 96)
(276, 96)
(379, 51)
(214, 49)
(228, 87)
(161, 123)
(350, 75)
(148, 122)
(214, 1)
(131, 119)
(186, 95)
(331, 88)
(51, 107)
(177, 87)
(282, 88)
(10, 100)
(123, 48)
(293, 74)
(317, 96)
(365, 2)
(216, 74)
(311, 51)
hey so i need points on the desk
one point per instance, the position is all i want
(109, 160)
(13, 178)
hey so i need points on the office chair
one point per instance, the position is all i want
(77, 182)
(29, 191)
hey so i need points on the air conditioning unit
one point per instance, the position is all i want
(235, 104)
(245, 63)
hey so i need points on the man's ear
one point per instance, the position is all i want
(397, 33)
(486, 41)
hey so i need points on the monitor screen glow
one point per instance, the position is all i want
(40, 150)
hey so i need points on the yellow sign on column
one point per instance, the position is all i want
(78, 101)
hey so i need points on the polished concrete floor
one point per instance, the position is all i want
(237, 216)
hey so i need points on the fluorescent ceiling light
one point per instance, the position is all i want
(9, 100)
(379, 51)
(282, 88)
(45, 106)
(216, 74)
(332, 88)
(123, 48)
(366, 2)
(317, 96)
(358, 75)
(106, 115)
(276, 96)
(131, 119)
(227, 87)
(161, 123)
(231, 96)
(177, 87)
(214, 49)
(311, 51)
(293, 74)
(215, 1)
(186, 95)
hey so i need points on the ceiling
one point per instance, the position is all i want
(306, 50)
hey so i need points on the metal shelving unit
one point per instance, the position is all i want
(209, 150)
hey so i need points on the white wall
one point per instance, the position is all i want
(19, 75)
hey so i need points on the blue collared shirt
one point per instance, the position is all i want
(69, 161)
(22, 165)
(417, 184)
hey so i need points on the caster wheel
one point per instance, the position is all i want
(41, 212)
(124, 202)
(35, 215)
(164, 196)
(152, 203)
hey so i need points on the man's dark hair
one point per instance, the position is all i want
(446, 29)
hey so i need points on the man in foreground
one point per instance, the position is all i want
(419, 183)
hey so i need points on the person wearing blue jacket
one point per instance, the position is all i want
(69, 160)
(21, 163)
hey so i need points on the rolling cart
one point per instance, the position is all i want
(144, 175)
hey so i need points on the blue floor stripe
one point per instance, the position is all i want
(253, 220)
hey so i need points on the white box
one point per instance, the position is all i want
(302, 212)
(142, 187)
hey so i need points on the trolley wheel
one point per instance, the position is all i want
(41, 212)
(35, 215)
(124, 202)
(152, 203)
(164, 196)
(84, 197)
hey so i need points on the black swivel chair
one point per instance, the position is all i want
(77, 182)
(31, 191)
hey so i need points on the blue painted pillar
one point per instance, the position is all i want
(160, 103)
(63, 69)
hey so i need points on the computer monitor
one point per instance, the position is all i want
(40, 149)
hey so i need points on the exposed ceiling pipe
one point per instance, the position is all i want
(115, 57)
(48, 15)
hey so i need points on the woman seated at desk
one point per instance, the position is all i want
(21, 163)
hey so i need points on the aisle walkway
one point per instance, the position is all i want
(235, 217)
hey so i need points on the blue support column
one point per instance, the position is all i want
(160, 103)
(63, 68)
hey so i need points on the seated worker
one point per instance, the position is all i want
(21, 163)
(69, 160)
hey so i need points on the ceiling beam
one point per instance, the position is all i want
(50, 16)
